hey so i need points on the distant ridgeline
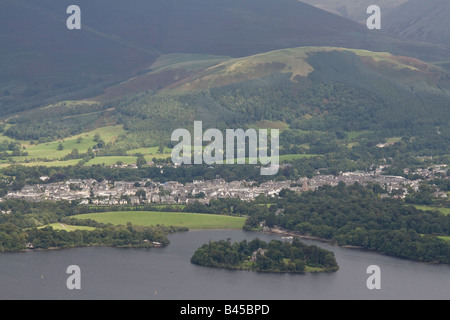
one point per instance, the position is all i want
(257, 255)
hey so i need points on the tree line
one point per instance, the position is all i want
(355, 215)
(23, 223)
(346, 215)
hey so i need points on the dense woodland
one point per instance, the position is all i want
(356, 216)
(257, 255)
(352, 215)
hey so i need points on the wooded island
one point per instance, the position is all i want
(257, 255)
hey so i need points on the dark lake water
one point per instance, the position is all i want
(167, 274)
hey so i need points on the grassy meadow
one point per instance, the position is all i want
(66, 227)
(445, 211)
(179, 219)
(48, 155)
(81, 142)
(153, 152)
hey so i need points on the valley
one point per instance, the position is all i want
(88, 118)
(367, 85)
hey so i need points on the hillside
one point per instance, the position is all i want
(307, 88)
(295, 61)
(421, 20)
(354, 9)
(325, 89)
(43, 63)
(231, 27)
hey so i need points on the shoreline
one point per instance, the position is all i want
(266, 271)
(306, 237)
(86, 246)
(294, 234)
(347, 246)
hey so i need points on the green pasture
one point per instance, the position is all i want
(44, 163)
(66, 227)
(179, 219)
(111, 160)
(445, 211)
(351, 135)
(50, 150)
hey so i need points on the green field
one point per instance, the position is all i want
(445, 211)
(177, 206)
(446, 238)
(393, 140)
(179, 219)
(290, 157)
(48, 155)
(153, 152)
(111, 160)
(45, 163)
(351, 135)
(60, 226)
(49, 151)
(313, 269)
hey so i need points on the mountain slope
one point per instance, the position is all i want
(354, 9)
(44, 63)
(308, 88)
(230, 27)
(314, 88)
(295, 62)
(318, 96)
(421, 20)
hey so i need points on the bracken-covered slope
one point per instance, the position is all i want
(295, 62)
(309, 88)
(312, 88)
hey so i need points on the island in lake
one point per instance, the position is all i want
(276, 256)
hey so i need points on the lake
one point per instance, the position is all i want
(167, 274)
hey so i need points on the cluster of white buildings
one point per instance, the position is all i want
(172, 192)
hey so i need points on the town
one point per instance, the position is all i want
(114, 193)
